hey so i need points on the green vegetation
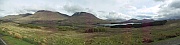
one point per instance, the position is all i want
(11, 40)
(99, 29)
(66, 28)
(166, 34)
(123, 39)
(14, 41)
(96, 29)
(71, 35)
(171, 40)
(29, 26)
(41, 37)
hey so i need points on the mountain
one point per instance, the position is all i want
(54, 18)
(138, 21)
(147, 20)
(116, 20)
(43, 15)
(14, 17)
(83, 18)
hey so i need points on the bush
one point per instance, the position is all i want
(2, 32)
(17, 35)
(96, 29)
(66, 28)
(29, 26)
(166, 34)
(30, 41)
(10, 32)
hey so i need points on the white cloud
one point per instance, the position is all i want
(169, 10)
(160, 0)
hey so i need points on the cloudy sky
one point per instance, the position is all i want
(104, 9)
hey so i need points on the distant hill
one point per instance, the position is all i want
(42, 15)
(138, 21)
(116, 20)
(83, 18)
(14, 17)
(54, 18)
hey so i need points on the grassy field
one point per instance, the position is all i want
(72, 35)
(42, 37)
(14, 41)
(171, 41)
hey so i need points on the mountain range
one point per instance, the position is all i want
(52, 18)
(83, 18)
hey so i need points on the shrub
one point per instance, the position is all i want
(66, 28)
(17, 35)
(10, 32)
(166, 34)
(96, 29)
(30, 41)
(43, 44)
(29, 26)
(5, 31)
(44, 40)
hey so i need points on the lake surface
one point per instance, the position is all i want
(117, 24)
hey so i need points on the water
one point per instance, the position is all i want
(117, 24)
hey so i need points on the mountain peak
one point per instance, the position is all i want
(42, 16)
(81, 13)
(83, 18)
(44, 11)
(47, 12)
(27, 14)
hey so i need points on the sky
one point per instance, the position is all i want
(103, 9)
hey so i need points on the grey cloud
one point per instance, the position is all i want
(141, 16)
(99, 14)
(160, 0)
(172, 11)
(114, 15)
(171, 14)
(1, 10)
(30, 10)
(26, 11)
(73, 9)
(1, 2)
(175, 4)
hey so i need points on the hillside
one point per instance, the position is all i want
(83, 18)
(41, 16)
(138, 21)
(52, 18)
(66, 35)
(14, 17)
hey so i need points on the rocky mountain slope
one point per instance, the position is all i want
(14, 17)
(43, 15)
(83, 18)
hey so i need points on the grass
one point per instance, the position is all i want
(40, 37)
(124, 39)
(29, 26)
(10, 40)
(171, 40)
(66, 28)
(13, 41)
(68, 35)
(168, 31)
(96, 29)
